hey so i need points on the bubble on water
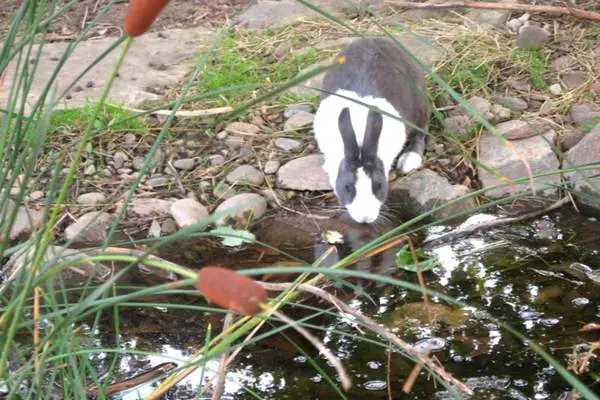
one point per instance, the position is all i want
(549, 321)
(374, 364)
(520, 382)
(375, 385)
(431, 344)
(300, 359)
(580, 301)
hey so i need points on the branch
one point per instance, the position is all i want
(560, 10)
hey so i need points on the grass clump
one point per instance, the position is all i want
(534, 63)
(111, 118)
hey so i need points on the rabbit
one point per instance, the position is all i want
(359, 144)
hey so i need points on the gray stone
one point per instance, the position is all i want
(245, 174)
(555, 89)
(185, 164)
(305, 173)
(584, 113)
(490, 18)
(216, 159)
(36, 195)
(569, 139)
(107, 172)
(286, 144)
(513, 103)
(80, 233)
(119, 159)
(148, 208)
(573, 79)
(532, 37)
(500, 113)
(242, 128)
(271, 167)
(587, 151)
(90, 199)
(188, 212)
(536, 150)
(293, 109)
(425, 190)
(138, 162)
(89, 170)
(130, 138)
(519, 129)
(157, 181)
(223, 191)
(299, 120)
(168, 226)
(240, 206)
(26, 221)
(458, 124)
(176, 49)
(222, 135)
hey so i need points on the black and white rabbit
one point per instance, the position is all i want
(360, 145)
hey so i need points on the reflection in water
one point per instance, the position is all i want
(519, 274)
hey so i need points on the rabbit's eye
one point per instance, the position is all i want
(378, 186)
(347, 187)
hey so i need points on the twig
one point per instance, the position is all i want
(413, 253)
(36, 332)
(221, 373)
(389, 374)
(412, 378)
(574, 12)
(375, 327)
(483, 226)
(184, 113)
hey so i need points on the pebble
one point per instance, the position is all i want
(500, 113)
(33, 196)
(242, 128)
(107, 172)
(130, 138)
(293, 109)
(188, 212)
(513, 103)
(532, 37)
(86, 231)
(147, 207)
(223, 191)
(583, 113)
(185, 164)
(92, 198)
(555, 89)
(286, 144)
(573, 79)
(305, 173)
(138, 162)
(216, 159)
(168, 226)
(298, 120)
(245, 174)
(119, 159)
(519, 129)
(458, 124)
(243, 203)
(222, 135)
(271, 167)
(89, 170)
(157, 180)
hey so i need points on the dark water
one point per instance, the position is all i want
(538, 277)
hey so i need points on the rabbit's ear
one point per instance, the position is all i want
(351, 151)
(372, 134)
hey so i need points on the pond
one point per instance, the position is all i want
(540, 277)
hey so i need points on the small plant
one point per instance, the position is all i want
(404, 260)
(533, 62)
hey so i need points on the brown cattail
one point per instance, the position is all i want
(231, 290)
(141, 14)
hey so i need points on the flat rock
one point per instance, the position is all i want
(185, 164)
(305, 173)
(490, 18)
(240, 206)
(271, 167)
(538, 152)
(147, 207)
(242, 128)
(424, 190)
(216, 159)
(188, 212)
(299, 120)
(287, 144)
(555, 89)
(569, 139)
(513, 103)
(157, 180)
(293, 109)
(172, 50)
(584, 113)
(26, 221)
(520, 129)
(91, 198)
(587, 151)
(99, 223)
(573, 79)
(245, 174)
(532, 37)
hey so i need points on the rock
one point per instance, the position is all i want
(185, 164)
(283, 50)
(584, 113)
(119, 159)
(286, 144)
(222, 135)
(223, 191)
(271, 167)
(482, 106)
(490, 18)
(458, 124)
(158, 160)
(513, 103)
(425, 190)
(300, 119)
(519, 129)
(245, 174)
(175, 49)
(532, 37)
(235, 142)
(26, 221)
(138, 162)
(89, 170)
(36, 195)
(157, 181)
(555, 89)
(242, 128)
(293, 109)
(243, 204)
(146, 207)
(563, 63)
(188, 212)
(538, 152)
(569, 139)
(587, 151)
(168, 226)
(595, 89)
(216, 159)
(107, 172)
(80, 233)
(305, 173)
(130, 138)
(91, 199)
(500, 113)
(546, 107)
(573, 79)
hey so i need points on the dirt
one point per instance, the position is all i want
(178, 14)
